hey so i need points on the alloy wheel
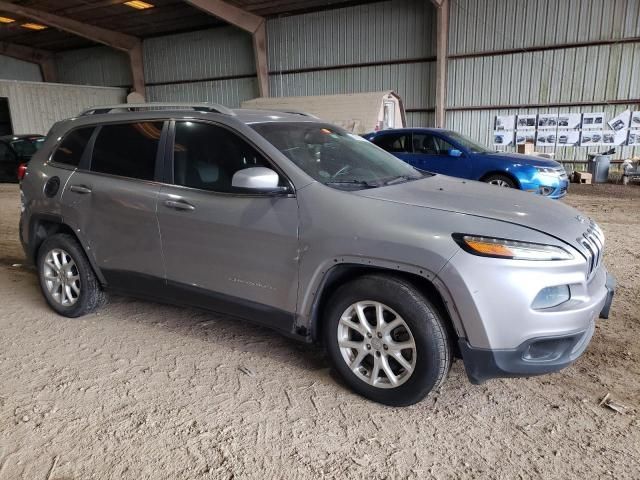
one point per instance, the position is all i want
(500, 183)
(61, 277)
(377, 344)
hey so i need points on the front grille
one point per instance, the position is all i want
(593, 242)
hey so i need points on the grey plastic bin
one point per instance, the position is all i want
(599, 167)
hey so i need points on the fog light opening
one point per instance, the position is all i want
(550, 297)
(545, 191)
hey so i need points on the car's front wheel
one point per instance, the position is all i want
(500, 181)
(67, 280)
(386, 340)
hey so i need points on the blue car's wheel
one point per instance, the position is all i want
(500, 181)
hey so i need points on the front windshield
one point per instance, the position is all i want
(27, 147)
(335, 157)
(467, 143)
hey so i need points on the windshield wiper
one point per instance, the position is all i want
(355, 183)
(402, 178)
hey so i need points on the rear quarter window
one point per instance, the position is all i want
(70, 150)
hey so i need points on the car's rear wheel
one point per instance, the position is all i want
(500, 181)
(67, 280)
(386, 340)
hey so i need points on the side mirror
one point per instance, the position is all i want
(454, 152)
(257, 179)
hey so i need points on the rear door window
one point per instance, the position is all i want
(127, 150)
(70, 151)
(394, 142)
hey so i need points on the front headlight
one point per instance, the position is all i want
(512, 249)
(548, 171)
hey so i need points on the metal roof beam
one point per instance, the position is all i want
(120, 41)
(249, 22)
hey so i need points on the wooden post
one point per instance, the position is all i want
(260, 51)
(137, 69)
(247, 21)
(442, 45)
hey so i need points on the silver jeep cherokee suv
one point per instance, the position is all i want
(296, 224)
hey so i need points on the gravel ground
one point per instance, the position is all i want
(141, 390)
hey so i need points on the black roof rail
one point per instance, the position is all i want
(128, 107)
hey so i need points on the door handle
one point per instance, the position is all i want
(80, 189)
(179, 205)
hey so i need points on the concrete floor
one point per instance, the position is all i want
(141, 390)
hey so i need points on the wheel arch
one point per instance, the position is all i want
(44, 226)
(504, 173)
(344, 273)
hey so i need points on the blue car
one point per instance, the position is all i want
(449, 153)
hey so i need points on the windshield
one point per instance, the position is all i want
(335, 157)
(27, 147)
(467, 143)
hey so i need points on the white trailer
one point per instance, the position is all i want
(356, 112)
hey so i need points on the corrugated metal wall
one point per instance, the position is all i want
(379, 46)
(35, 106)
(102, 66)
(489, 71)
(14, 69)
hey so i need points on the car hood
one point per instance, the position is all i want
(521, 159)
(440, 192)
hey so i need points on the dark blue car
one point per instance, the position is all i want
(449, 153)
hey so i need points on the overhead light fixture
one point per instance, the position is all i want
(6, 20)
(34, 26)
(138, 4)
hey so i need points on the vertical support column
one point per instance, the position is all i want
(260, 52)
(48, 69)
(442, 45)
(137, 68)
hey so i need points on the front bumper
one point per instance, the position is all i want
(535, 356)
(550, 186)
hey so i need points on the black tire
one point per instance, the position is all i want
(496, 177)
(426, 324)
(91, 295)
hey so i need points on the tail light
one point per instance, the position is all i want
(22, 170)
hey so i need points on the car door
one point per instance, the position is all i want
(224, 249)
(396, 143)
(111, 202)
(437, 155)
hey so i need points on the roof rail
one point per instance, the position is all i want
(198, 107)
(298, 112)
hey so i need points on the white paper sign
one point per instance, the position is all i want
(621, 122)
(548, 120)
(568, 138)
(593, 120)
(635, 120)
(527, 122)
(614, 138)
(502, 138)
(634, 137)
(571, 121)
(505, 122)
(591, 138)
(526, 136)
(546, 138)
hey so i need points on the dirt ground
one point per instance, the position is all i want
(141, 390)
